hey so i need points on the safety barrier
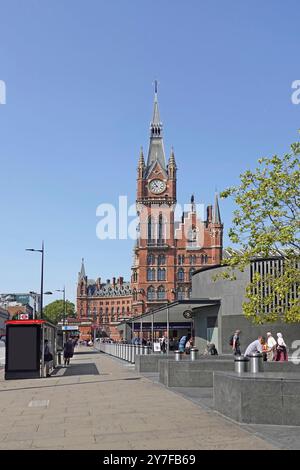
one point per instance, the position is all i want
(124, 351)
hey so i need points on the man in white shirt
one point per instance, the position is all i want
(271, 346)
(255, 346)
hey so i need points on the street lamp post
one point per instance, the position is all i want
(42, 275)
(64, 300)
(64, 311)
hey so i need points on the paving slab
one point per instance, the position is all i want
(100, 403)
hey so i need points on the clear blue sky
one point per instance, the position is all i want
(79, 79)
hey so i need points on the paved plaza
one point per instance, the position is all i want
(98, 402)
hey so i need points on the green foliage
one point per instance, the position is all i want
(55, 310)
(267, 223)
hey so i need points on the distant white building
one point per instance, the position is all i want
(4, 316)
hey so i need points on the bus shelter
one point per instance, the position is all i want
(25, 339)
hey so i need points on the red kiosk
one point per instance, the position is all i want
(24, 357)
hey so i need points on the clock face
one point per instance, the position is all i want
(157, 186)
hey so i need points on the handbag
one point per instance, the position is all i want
(48, 357)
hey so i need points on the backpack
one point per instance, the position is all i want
(231, 340)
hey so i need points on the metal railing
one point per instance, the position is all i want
(124, 351)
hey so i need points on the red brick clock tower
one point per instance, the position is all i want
(166, 253)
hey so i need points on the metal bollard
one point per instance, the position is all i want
(178, 355)
(133, 354)
(256, 363)
(146, 350)
(241, 364)
(194, 354)
(59, 358)
(127, 352)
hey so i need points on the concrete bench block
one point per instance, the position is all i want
(197, 373)
(263, 398)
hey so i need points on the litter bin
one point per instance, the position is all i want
(178, 355)
(241, 364)
(256, 363)
(194, 354)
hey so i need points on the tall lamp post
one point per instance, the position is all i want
(42, 275)
(64, 299)
(64, 312)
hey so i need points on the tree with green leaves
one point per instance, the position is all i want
(54, 311)
(266, 224)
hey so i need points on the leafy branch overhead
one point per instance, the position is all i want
(265, 224)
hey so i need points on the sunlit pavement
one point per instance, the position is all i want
(100, 403)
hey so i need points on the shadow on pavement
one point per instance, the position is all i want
(76, 369)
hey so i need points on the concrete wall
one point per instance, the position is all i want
(230, 316)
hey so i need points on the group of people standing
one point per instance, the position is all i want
(272, 349)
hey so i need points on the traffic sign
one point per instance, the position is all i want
(23, 316)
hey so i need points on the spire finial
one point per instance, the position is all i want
(155, 86)
(193, 202)
(82, 270)
(216, 211)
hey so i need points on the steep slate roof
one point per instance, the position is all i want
(156, 147)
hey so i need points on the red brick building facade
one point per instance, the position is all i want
(101, 306)
(168, 252)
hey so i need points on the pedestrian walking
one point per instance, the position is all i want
(48, 357)
(235, 344)
(281, 349)
(68, 351)
(271, 342)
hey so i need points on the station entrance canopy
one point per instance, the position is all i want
(175, 315)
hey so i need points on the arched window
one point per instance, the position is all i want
(150, 259)
(151, 231)
(123, 309)
(112, 313)
(151, 293)
(180, 293)
(101, 313)
(180, 274)
(118, 313)
(191, 273)
(161, 229)
(150, 274)
(204, 259)
(189, 293)
(161, 293)
(192, 259)
(161, 260)
(106, 315)
(161, 274)
(180, 259)
(134, 294)
(95, 314)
